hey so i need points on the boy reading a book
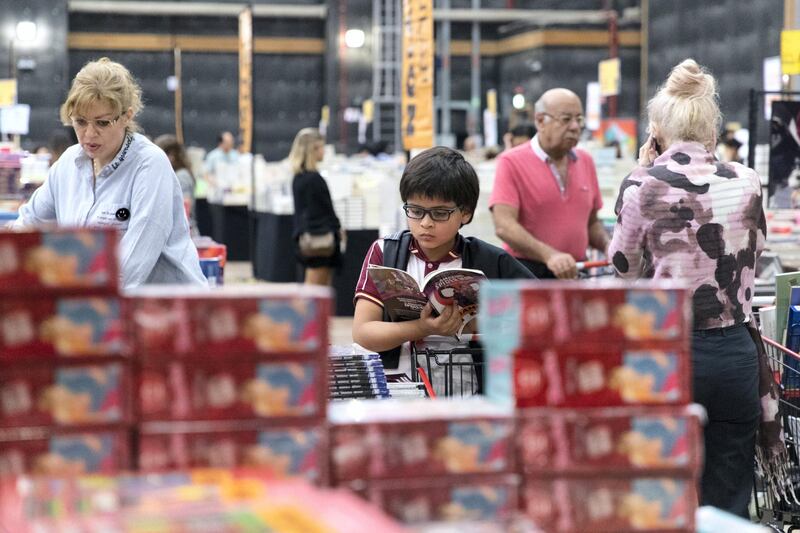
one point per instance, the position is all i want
(440, 191)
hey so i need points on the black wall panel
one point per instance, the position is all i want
(210, 97)
(574, 68)
(290, 89)
(288, 96)
(151, 70)
(535, 71)
(44, 87)
(730, 37)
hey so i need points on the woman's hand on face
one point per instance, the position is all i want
(446, 324)
(648, 152)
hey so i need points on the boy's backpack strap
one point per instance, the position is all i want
(396, 249)
(395, 255)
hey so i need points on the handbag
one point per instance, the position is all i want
(311, 245)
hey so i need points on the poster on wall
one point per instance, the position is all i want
(246, 78)
(772, 83)
(619, 133)
(417, 77)
(784, 155)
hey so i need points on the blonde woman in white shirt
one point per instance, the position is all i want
(115, 177)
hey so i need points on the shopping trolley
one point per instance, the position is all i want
(448, 366)
(777, 501)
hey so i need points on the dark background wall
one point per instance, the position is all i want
(730, 37)
(287, 92)
(41, 87)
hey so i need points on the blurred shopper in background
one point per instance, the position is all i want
(116, 178)
(317, 231)
(545, 197)
(59, 141)
(682, 214)
(519, 134)
(180, 164)
(223, 153)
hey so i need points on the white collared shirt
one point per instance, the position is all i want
(541, 154)
(139, 195)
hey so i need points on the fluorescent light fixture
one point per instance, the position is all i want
(26, 31)
(518, 101)
(354, 38)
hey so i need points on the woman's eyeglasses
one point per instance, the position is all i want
(99, 124)
(437, 214)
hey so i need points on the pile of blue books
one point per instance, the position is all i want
(356, 376)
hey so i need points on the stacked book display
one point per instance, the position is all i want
(65, 374)
(356, 376)
(600, 376)
(230, 378)
(427, 460)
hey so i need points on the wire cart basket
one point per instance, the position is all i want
(448, 370)
(777, 502)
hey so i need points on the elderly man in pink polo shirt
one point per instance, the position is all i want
(545, 197)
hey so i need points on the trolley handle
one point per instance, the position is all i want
(425, 381)
(781, 347)
(586, 265)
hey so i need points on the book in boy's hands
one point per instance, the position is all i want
(403, 298)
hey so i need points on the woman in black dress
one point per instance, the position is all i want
(313, 208)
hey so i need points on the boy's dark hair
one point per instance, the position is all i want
(443, 174)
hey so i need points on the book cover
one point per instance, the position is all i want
(400, 293)
(403, 298)
(783, 288)
(767, 320)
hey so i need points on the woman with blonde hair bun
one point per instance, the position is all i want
(317, 231)
(684, 215)
(116, 178)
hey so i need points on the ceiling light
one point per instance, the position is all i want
(354, 38)
(26, 31)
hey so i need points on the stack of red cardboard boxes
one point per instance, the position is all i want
(232, 378)
(427, 460)
(600, 375)
(65, 375)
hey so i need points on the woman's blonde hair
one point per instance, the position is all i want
(301, 157)
(686, 107)
(104, 81)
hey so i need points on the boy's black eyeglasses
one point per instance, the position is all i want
(437, 214)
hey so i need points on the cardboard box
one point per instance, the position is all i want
(79, 259)
(281, 451)
(611, 440)
(572, 377)
(219, 389)
(63, 453)
(229, 323)
(64, 395)
(611, 504)
(67, 326)
(448, 499)
(416, 448)
(586, 314)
